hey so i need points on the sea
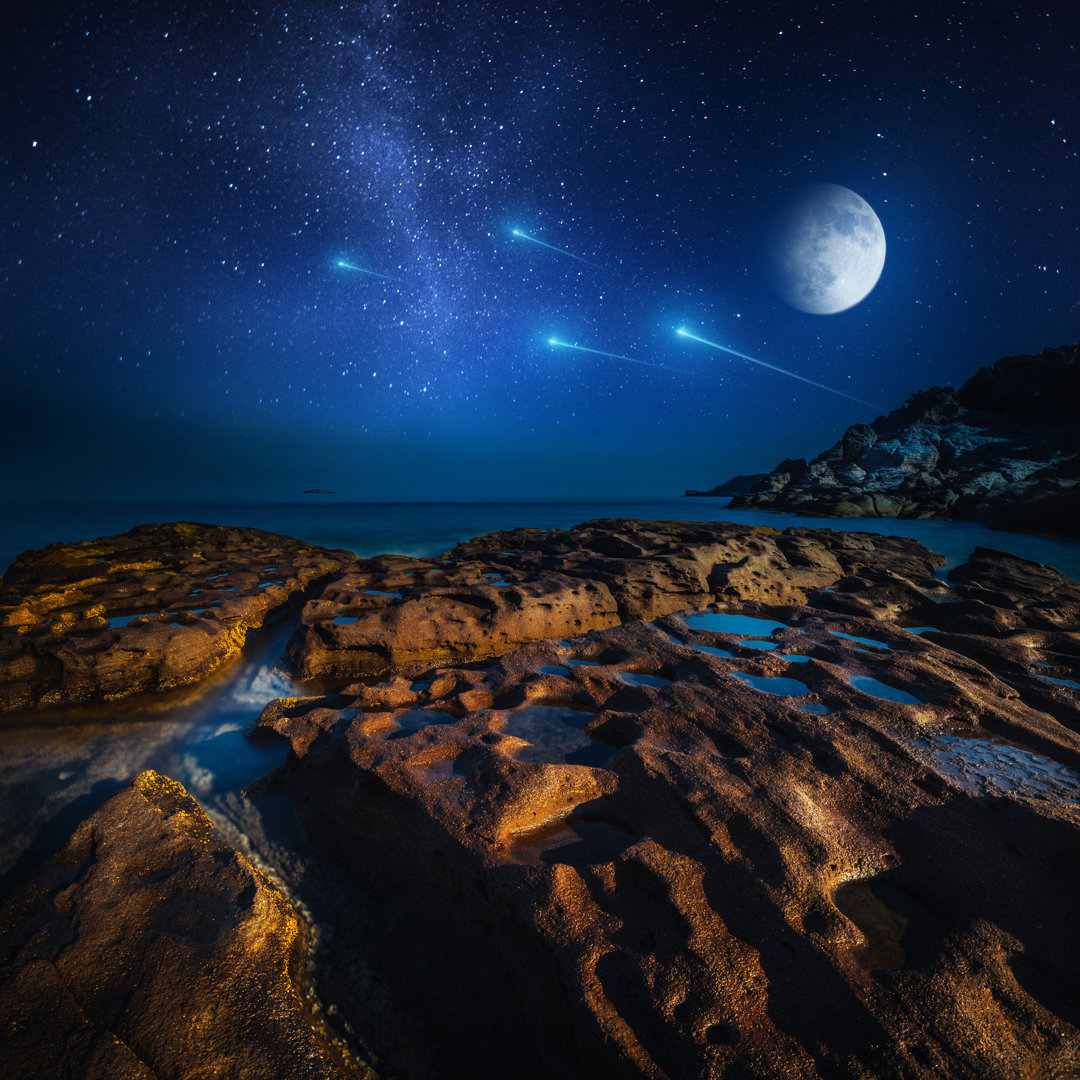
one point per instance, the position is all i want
(430, 528)
(59, 765)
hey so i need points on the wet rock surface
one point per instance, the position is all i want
(841, 840)
(156, 608)
(148, 948)
(1004, 450)
(497, 592)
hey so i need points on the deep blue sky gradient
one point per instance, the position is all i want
(181, 181)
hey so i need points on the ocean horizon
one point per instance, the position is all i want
(429, 528)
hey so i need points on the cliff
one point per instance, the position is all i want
(1003, 450)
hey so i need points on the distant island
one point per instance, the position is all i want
(1003, 450)
(737, 485)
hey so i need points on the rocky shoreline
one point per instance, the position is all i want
(1003, 450)
(633, 799)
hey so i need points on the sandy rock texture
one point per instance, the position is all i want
(840, 840)
(159, 607)
(1004, 449)
(147, 948)
(500, 591)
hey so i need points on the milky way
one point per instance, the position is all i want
(304, 234)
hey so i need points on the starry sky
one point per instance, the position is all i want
(198, 198)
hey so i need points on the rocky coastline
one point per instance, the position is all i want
(1002, 450)
(632, 799)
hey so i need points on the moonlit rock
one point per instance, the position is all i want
(826, 249)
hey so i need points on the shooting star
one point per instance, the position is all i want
(569, 254)
(613, 356)
(343, 265)
(682, 332)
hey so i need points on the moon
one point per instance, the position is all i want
(825, 250)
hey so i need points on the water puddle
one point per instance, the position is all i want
(573, 842)
(796, 658)
(583, 663)
(861, 640)
(123, 620)
(725, 623)
(376, 592)
(556, 736)
(865, 685)
(886, 917)
(815, 709)
(635, 678)
(413, 720)
(711, 650)
(495, 579)
(992, 767)
(778, 686)
(419, 687)
(1061, 682)
(554, 669)
(918, 629)
(346, 620)
(757, 644)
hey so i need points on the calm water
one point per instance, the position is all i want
(431, 528)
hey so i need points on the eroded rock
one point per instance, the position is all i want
(147, 948)
(804, 841)
(497, 592)
(156, 608)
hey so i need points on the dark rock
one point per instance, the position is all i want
(192, 593)
(148, 948)
(1004, 450)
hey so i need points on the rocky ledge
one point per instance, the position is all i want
(1003, 450)
(157, 608)
(148, 948)
(824, 822)
(500, 591)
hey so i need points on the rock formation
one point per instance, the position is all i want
(816, 845)
(500, 591)
(635, 800)
(147, 948)
(736, 485)
(159, 607)
(1003, 450)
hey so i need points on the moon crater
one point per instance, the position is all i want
(826, 249)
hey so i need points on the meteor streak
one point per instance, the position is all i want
(360, 270)
(614, 356)
(682, 332)
(532, 239)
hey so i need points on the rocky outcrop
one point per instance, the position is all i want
(819, 844)
(148, 948)
(1003, 450)
(495, 593)
(159, 607)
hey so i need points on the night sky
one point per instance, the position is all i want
(187, 190)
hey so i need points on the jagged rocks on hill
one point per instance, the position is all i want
(1003, 450)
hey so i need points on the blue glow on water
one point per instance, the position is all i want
(346, 620)
(635, 678)
(780, 687)
(711, 650)
(866, 685)
(1061, 682)
(375, 592)
(583, 663)
(813, 707)
(554, 669)
(862, 640)
(795, 658)
(724, 623)
(758, 644)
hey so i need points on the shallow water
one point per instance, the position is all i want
(778, 686)
(58, 765)
(556, 736)
(636, 678)
(864, 684)
(995, 767)
(723, 622)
